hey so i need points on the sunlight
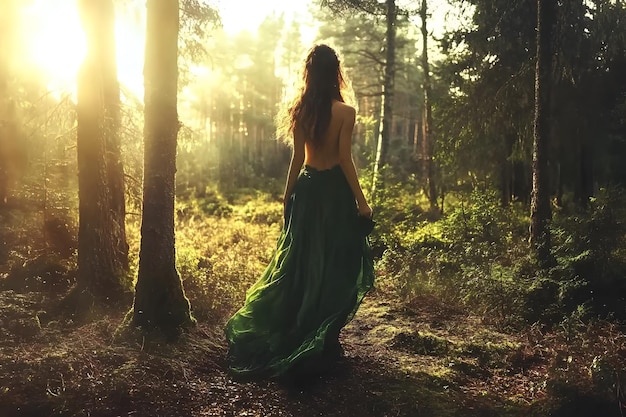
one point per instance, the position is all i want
(130, 37)
(53, 43)
(235, 21)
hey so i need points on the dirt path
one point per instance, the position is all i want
(429, 361)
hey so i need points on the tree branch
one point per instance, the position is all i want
(367, 6)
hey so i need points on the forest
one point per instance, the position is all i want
(141, 181)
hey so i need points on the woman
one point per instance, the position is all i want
(322, 267)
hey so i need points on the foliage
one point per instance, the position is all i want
(471, 256)
(485, 121)
(477, 255)
(589, 248)
(468, 256)
(219, 257)
(196, 18)
(398, 207)
(233, 101)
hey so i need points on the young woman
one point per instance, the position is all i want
(322, 267)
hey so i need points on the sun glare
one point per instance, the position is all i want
(130, 37)
(54, 45)
(234, 20)
(53, 42)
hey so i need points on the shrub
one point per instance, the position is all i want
(470, 256)
(218, 258)
(589, 248)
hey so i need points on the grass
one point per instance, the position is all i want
(424, 356)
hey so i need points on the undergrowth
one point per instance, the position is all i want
(474, 257)
(477, 255)
(219, 257)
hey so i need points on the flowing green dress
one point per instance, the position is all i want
(316, 279)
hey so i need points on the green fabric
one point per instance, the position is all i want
(321, 270)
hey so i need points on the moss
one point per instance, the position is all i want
(421, 343)
(487, 353)
(469, 369)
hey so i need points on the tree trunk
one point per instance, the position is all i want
(100, 272)
(111, 93)
(160, 301)
(427, 126)
(8, 18)
(418, 144)
(506, 172)
(384, 136)
(540, 203)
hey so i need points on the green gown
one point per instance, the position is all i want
(319, 273)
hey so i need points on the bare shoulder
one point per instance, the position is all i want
(343, 110)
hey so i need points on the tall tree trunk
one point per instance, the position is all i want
(384, 136)
(8, 18)
(540, 198)
(101, 274)
(418, 143)
(111, 95)
(429, 137)
(411, 132)
(160, 301)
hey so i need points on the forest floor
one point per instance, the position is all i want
(423, 359)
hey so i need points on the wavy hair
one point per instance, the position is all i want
(322, 82)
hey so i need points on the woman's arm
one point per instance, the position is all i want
(297, 159)
(347, 163)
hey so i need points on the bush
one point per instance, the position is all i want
(478, 255)
(589, 249)
(470, 256)
(218, 257)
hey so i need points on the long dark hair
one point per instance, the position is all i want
(322, 82)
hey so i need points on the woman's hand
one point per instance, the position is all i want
(365, 210)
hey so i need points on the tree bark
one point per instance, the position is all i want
(101, 273)
(427, 125)
(112, 120)
(384, 136)
(540, 203)
(160, 301)
(7, 122)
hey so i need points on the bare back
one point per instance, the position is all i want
(326, 155)
(334, 148)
